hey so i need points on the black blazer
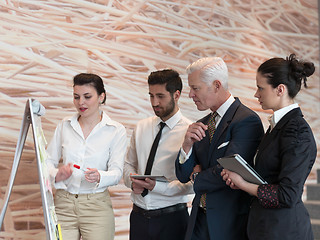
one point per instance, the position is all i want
(284, 159)
(239, 131)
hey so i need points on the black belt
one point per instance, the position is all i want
(160, 211)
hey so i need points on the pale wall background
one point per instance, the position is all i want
(44, 43)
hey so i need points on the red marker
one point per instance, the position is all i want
(78, 167)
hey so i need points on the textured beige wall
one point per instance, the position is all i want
(44, 43)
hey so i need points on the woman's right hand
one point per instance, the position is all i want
(64, 172)
(232, 179)
(235, 181)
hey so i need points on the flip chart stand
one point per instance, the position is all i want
(33, 111)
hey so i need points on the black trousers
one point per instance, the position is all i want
(200, 230)
(167, 226)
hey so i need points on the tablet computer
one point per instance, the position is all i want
(237, 164)
(157, 178)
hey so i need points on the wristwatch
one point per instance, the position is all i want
(194, 176)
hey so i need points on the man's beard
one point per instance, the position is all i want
(169, 109)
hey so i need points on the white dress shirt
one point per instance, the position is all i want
(164, 193)
(103, 149)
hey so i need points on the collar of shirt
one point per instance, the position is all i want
(277, 115)
(224, 108)
(171, 122)
(106, 120)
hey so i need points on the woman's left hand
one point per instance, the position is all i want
(92, 175)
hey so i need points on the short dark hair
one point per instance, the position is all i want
(169, 77)
(90, 79)
(290, 72)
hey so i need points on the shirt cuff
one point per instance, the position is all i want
(268, 195)
(104, 180)
(60, 185)
(183, 156)
(57, 185)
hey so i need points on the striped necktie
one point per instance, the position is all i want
(212, 124)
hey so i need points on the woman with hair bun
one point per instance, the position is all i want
(284, 158)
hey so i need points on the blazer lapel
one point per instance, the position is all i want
(270, 135)
(293, 113)
(203, 145)
(266, 140)
(223, 125)
(206, 139)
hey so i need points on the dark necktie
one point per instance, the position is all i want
(211, 130)
(152, 154)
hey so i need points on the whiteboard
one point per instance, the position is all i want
(32, 116)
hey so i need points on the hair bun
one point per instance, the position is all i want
(308, 68)
(300, 70)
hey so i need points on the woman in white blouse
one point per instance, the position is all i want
(92, 148)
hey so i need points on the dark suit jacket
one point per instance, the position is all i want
(285, 158)
(240, 130)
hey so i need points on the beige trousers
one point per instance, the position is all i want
(87, 215)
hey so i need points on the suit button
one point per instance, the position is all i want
(76, 196)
